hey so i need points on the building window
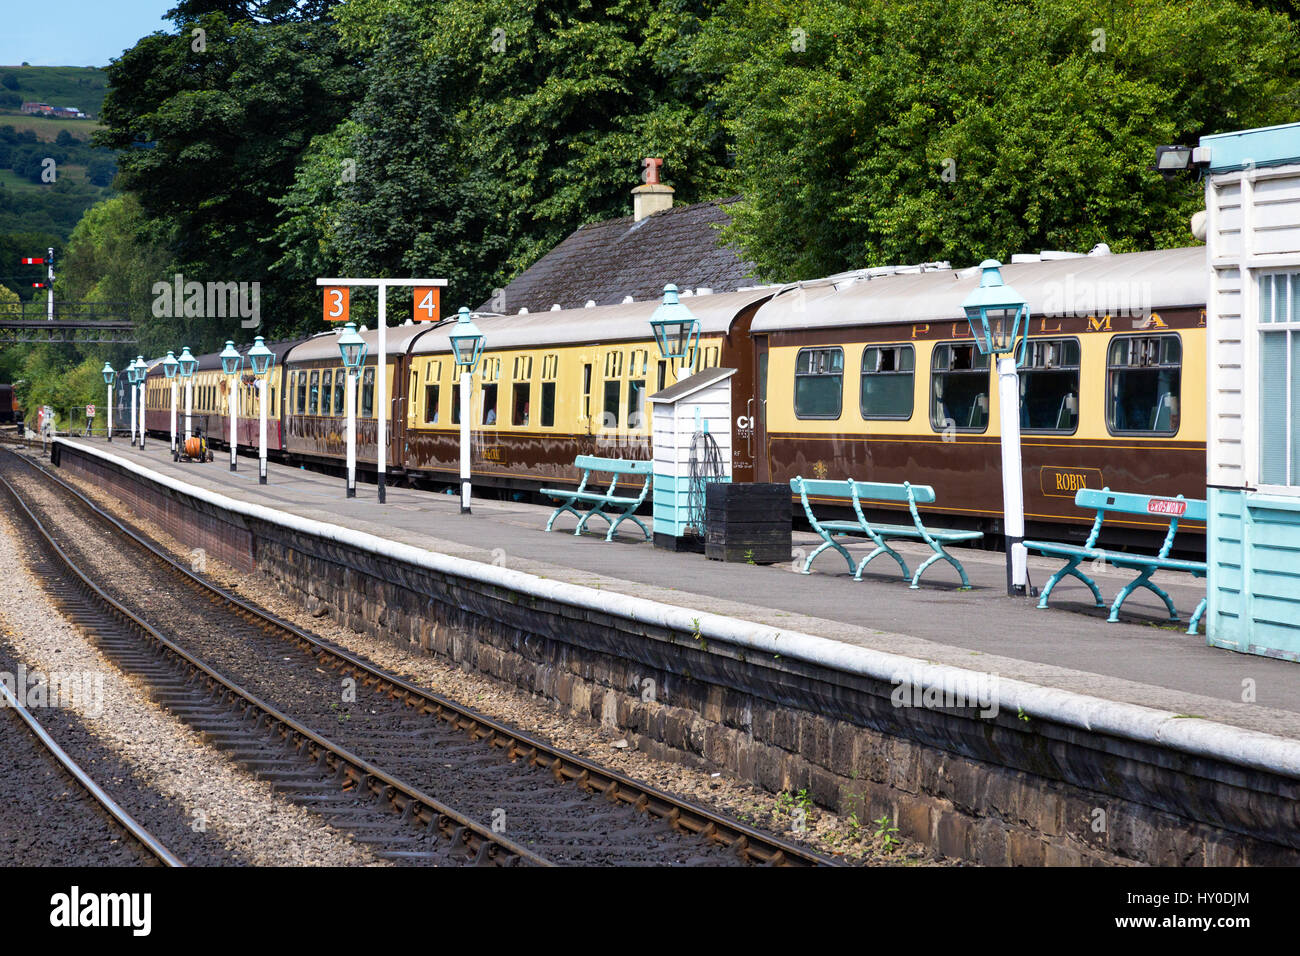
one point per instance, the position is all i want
(1049, 386)
(326, 390)
(818, 383)
(636, 403)
(519, 403)
(1279, 379)
(960, 376)
(888, 373)
(612, 391)
(1143, 376)
(368, 393)
(431, 404)
(548, 404)
(489, 404)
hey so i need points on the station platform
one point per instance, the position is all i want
(1142, 660)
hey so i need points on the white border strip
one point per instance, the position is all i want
(1161, 728)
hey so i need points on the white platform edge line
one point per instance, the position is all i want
(1132, 721)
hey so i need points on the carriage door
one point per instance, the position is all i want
(756, 410)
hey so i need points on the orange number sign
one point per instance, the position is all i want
(336, 303)
(426, 304)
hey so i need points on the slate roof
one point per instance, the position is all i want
(608, 260)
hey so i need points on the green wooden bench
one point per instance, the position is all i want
(593, 502)
(880, 534)
(1105, 500)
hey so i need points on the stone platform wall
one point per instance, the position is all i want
(991, 790)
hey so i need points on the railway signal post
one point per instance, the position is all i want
(232, 363)
(998, 318)
(261, 359)
(170, 367)
(353, 349)
(466, 347)
(110, 375)
(337, 312)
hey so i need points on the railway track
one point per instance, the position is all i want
(121, 819)
(567, 808)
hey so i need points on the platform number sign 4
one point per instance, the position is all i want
(426, 304)
(336, 303)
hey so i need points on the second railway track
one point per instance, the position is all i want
(517, 797)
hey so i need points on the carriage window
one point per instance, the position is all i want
(586, 392)
(326, 390)
(612, 390)
(887, 376)
(431, 404)
(663, 373)
(340, 396)
(1143, 381)
(636, 403)
(1049, 386)
(519, 405)
(489, 405)
(455, 404)
(302, 393)
(818, 383)
(548, 404)
(313, 393)
(960, 390)
(368, 393)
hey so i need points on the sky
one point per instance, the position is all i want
(75, 32)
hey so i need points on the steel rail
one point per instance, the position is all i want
(751, 844)
(410, 801)
(114, 809)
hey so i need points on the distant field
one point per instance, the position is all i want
(47, 129)
(70, 172)
(79, 86)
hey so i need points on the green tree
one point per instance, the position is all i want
(877, 131)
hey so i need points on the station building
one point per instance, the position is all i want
(1252, 197)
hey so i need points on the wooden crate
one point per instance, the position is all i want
(749, 523)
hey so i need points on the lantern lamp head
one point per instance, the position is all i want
(231, 360)
(260, 357)
(189, 364)
(109, 373)
(676, 329)
(997, 315)
(466, 341)
(170, 365)
(352, 347)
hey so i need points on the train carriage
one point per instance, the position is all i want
(880, 380)
(554, 385)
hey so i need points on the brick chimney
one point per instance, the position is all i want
(652, 197)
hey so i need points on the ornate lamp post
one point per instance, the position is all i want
(998, 319)
(467, 348)
(676, 329)
(170, 368)
(110, 376)
(353, 349)
(232, 363)
(133, 380)
(188, 364)
(261, 359)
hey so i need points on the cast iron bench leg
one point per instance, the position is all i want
(592, 513)
(807, 565)
(939, 552)
(567, 506)
(1196, 618)
(883, 549)
(1143, 580)
(627, 516)
(1071, 568)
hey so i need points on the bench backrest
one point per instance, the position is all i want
(865, 490)
(613, 466)
(1125, 502)
(1175, 509)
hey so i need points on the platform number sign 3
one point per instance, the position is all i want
(426, 304)
(336, 303)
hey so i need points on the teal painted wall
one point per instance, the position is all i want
(672, 504)
(1254, 573)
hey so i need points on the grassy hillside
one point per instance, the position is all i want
(80, 86)
(45, 128)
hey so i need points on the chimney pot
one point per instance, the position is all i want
(653, 196)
